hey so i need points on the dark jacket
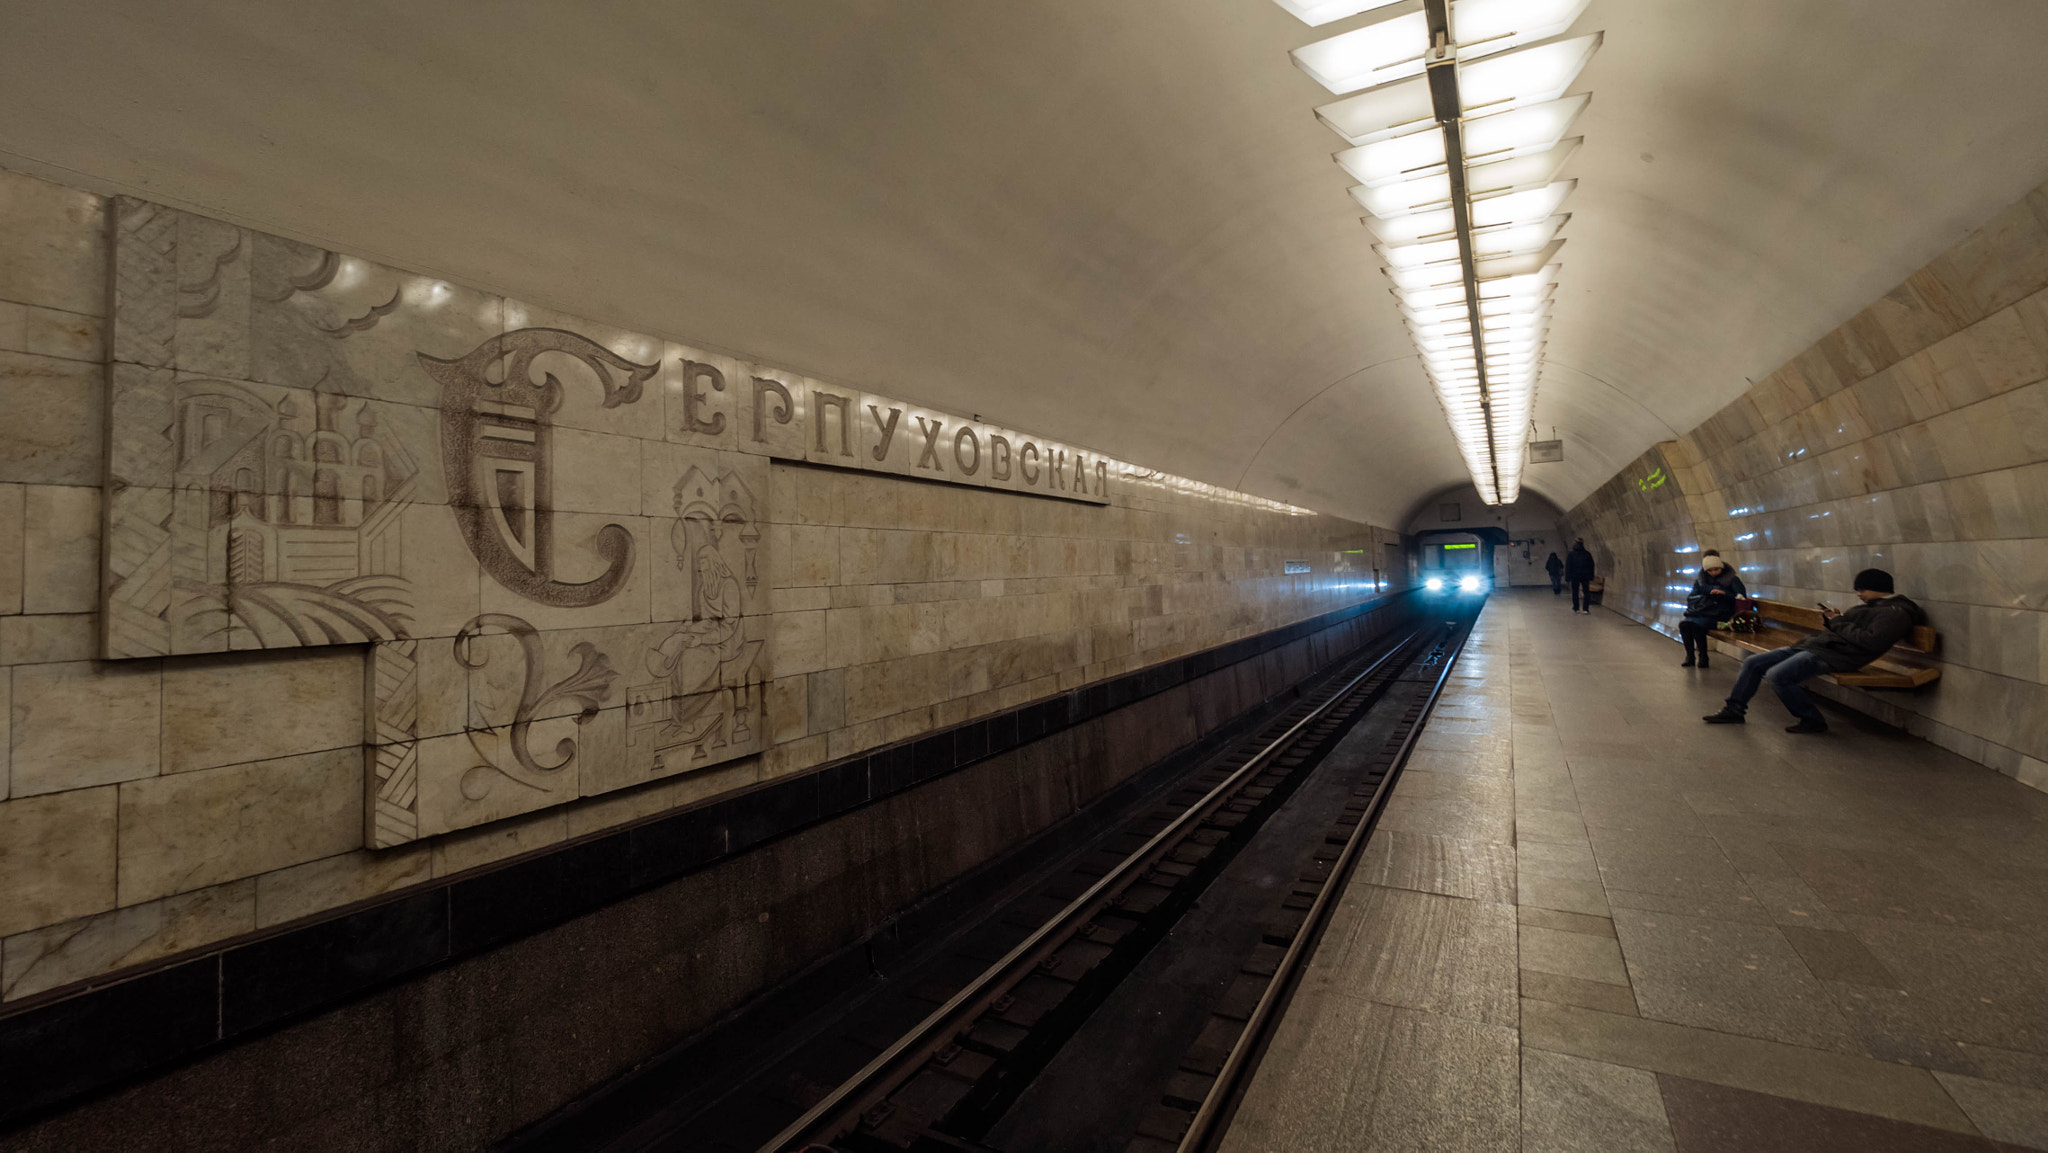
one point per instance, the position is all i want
(1703, 607)
(1579, 565)
(1553, 566)
(1862, 634)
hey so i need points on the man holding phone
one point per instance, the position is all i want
(1850, 641)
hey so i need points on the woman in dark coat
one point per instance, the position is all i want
(1712, 601)
(1555, 568)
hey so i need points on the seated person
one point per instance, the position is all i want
(1850, 641)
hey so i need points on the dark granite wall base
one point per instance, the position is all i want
(524, 1010)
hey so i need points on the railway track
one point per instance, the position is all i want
(1004, 1034)
(943, 1083)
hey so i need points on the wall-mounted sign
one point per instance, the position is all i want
(1546, 451)
(1295, 567)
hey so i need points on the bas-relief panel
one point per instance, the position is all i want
(549, 532)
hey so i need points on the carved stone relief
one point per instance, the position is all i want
(550, 534)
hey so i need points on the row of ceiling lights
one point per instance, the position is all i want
(1456, 119)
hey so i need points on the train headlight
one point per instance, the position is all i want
(1434, 584)
(1470, 584)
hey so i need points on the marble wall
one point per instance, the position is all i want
(319, 578)
(1912, 438)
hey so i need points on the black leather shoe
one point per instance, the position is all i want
(1704, 664)
(1808, 725)
(1687, 663)
(1724, 717)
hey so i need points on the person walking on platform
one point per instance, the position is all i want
(1712, 601)
(1850, 641)
(1555, 568)
(1578, 572)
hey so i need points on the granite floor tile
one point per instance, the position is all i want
(2009, 1113)
(1454, 867)
(1550, 859)
(1459, 817)
(1889, 884)
(1566, 922)
(1709, 1118)
(1561, 894)
(1357, 1075)
(1550, 825)
(1743, 910)
(1821, 1077)
(1578, 955)
(1973, 985)
(1572, 1105)
(1736, 978)
(1667, 863)
(1424, 951)
(1838, 956)
(1789, 902)
(1599, 995)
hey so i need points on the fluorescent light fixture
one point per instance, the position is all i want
(1530, 171)
(1404, 197)
(1316, 13)
(1486, 27)
(1515, 239)
(1467, 221)
(1389, 110)
(1369, 56)
(1412, 227)
(1535, 128)
(1527, 76)
(1520, 207)
(1401, 158)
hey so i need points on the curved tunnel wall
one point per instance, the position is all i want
(1912, 438)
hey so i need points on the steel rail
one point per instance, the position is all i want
(888, 1070)
(1238, 1065)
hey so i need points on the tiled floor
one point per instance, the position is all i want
(1591, 922)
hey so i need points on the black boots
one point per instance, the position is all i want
(1726, 716)
(1808, 725)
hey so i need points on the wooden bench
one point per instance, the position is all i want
(1777, 625)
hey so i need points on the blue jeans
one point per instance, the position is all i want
(1787, 671)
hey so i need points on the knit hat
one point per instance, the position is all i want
(1873, 579)
(1711, 560)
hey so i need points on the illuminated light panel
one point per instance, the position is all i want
(1473, 277)
(1316, 13)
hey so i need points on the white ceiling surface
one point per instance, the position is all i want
(1110, 221)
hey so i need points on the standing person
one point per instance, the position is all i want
(1578, 572)
(1712, 601)
(1555, 568)
(1850, 641)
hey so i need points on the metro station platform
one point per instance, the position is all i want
(1589, 921)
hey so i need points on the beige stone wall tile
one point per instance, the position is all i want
(230, 710)
(316, 886)
(191, 830)
(794, 756)
(51, 413)
(35, 640)
(813, 555)
(11, 548)
(77, 724)
(56, 858)
(45, 958)
(473, 848)
(814, 599)
(798, 641)
(595, 814)
(55, 241)
(788, 709)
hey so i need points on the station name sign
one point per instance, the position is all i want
(794, 418)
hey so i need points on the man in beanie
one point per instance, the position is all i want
(1850, 641)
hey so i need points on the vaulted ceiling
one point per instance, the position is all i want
(1111, 221)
